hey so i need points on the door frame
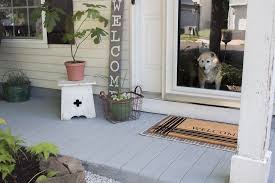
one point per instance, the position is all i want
(134, 67)
(169, 90)
(188, 94)
(170, 93)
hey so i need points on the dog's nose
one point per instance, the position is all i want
(204, 68)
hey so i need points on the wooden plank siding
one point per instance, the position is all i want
(45, 66)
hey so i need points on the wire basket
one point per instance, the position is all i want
(123, 110)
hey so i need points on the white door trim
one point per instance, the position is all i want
(212, 113)
(134, 71)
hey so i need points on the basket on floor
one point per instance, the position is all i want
(123, 110)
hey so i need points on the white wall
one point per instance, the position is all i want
(45, 66)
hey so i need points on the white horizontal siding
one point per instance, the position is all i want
(45, 66)
(237, 2)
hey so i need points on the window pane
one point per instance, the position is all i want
(20, 22)
(34, 2)
(5, 3)
(35, 23)
(7, 21)
(211, 44)
(19, 3)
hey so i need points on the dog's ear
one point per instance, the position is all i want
(213, 54)
(199, 58)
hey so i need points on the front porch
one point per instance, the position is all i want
(118, 151)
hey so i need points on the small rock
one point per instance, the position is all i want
(54, 165)
(72, 164)
(69, 170)
(69, 178)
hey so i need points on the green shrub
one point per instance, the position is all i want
(11, 146)
(44, 150)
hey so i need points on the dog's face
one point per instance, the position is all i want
(208, 61)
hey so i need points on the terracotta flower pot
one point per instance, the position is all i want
(75, 70)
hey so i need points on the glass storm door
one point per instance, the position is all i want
(211, 41)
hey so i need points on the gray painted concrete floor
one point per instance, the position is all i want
(118, 151)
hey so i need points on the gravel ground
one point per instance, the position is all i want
(92, 178)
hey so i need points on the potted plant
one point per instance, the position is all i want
(16, 86)
(122, 106)
(74, 67)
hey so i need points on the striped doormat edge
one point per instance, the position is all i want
(192, 142)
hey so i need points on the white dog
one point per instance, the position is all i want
(210, 69)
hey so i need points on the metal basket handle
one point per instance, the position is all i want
(102, 95)
(138, 91)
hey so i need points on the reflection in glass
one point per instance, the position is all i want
(5, 3)
(19, 3)
(34, 2)
(7, 22)
(21, 20)
(35, 23)
(211, 44)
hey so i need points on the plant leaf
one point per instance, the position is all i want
(44, 150)
(42, 178)
(78, 15)
(2, 122)
(6, 169)
(51, 173)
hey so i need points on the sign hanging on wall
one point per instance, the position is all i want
(115, 46)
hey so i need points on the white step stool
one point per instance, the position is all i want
(77, 99)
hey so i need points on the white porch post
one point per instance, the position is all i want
(252, 163)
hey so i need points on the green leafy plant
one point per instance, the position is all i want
(9, 147)
(95, 33)
(77, 37)
(46, 175)
(52, 15)
(16, 78)
(120, 95)
(44, 150)
(2, 122)
(231, 75)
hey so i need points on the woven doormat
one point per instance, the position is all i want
(207, 133)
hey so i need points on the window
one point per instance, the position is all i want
(65, 25)
(21, 19)
(211, 41)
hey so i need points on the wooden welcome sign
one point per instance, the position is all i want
(115, 46)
